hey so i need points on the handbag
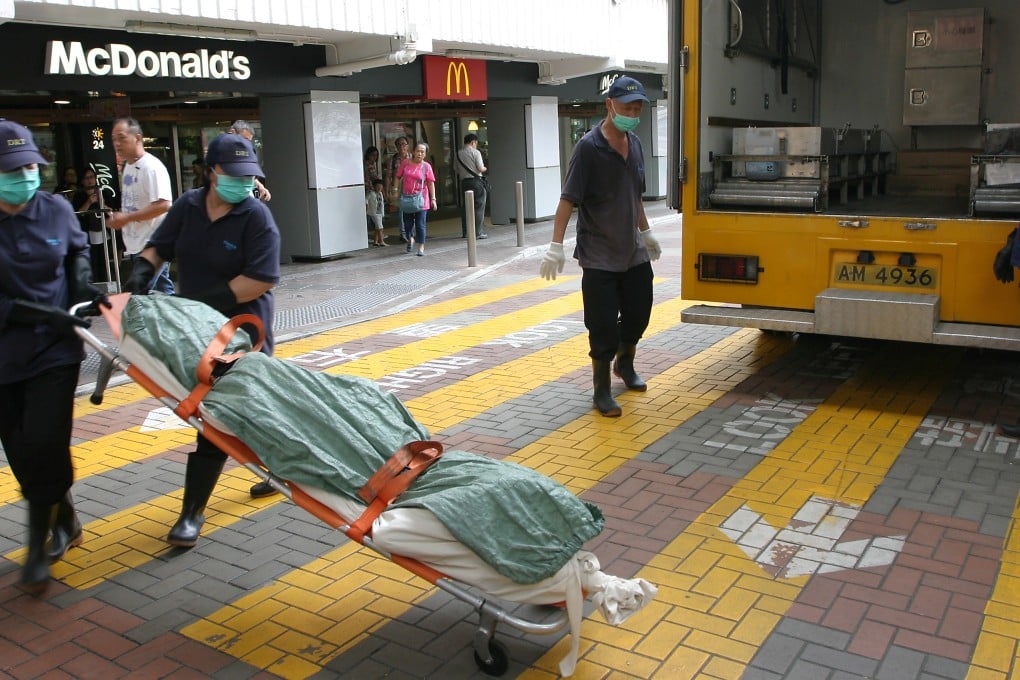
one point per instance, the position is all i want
(412, 203)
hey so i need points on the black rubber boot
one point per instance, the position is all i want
(603, 398)
(67, 531)
(623, 368)
(199, 481)
(35, 575)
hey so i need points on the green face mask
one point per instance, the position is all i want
(19, 186)
(234, 189)
(625, 123)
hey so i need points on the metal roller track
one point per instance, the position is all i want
(997, 200)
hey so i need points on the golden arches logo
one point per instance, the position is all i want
(454, 71)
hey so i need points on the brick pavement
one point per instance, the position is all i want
(808, 507)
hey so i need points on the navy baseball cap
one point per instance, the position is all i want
(235, 155)
(625, 89)
(17, 148)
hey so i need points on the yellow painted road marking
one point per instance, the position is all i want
(131, 446)
(131, 537)
(408, 317)
(842, 451)
(997, 653)
(605, 442)
(108, 453)
(125, 394)
(127, 446)
(475, 394)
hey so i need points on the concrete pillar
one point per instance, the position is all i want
(313, 159)
(524, 147)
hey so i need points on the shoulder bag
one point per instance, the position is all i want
(481, 179)
(412, 203)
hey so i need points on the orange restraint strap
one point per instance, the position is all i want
(212, 356)
(391, 480)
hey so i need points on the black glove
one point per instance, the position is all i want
(25, 313)
(219, 297)
(142, 274)
(79, 277)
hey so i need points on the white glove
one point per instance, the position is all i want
(552, 261)
(652, 244)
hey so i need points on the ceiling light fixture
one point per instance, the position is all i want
(191, 31)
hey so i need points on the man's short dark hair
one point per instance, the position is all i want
(470, 137)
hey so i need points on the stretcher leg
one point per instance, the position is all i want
(491, 655)
(106, 367)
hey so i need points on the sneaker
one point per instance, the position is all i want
(482, 236)
(408, 247)
(421, 253)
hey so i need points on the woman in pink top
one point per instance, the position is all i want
(416, 177)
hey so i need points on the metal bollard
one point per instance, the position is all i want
(469, 211)
(519, 190)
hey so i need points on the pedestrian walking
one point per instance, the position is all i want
(145, 196)
(417, 196)
(44, 268)
(471, 170)
(227, 248)
(615, 245)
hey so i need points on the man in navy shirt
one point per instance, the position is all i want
(227, 248)
(44, 268)
(605, 179)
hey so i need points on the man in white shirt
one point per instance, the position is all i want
(471, 168)
(145, 195)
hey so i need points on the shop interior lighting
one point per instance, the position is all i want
(191, 31)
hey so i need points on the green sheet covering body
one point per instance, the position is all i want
(334, 431)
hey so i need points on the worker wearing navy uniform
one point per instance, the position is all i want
(615, 245)
(44, 269)
(227, 248)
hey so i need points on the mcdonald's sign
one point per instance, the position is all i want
(455, 79)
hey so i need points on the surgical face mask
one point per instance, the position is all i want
(625, 123)
(19, 186)
(234, 189)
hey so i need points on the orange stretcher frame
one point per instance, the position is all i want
(491, 655)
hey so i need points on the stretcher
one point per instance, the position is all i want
(412, 537)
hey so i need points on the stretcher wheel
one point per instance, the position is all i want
(500, 659)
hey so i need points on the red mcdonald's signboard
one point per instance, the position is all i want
(455, 79)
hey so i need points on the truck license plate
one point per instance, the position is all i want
(885, 275)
